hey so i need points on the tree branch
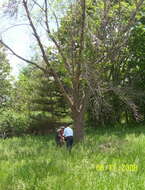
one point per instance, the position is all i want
(35, 32)
(13, 27)
(83, 6)
(20, 57)
(132, 16)
(51, 70)
(54, 40)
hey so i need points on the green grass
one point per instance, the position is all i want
(35, 163)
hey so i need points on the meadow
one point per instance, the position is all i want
(108, 159)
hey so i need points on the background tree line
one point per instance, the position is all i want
(94, 73)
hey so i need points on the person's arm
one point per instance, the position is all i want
(64, 134)
(59, 135)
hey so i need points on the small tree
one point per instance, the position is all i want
(4, 78)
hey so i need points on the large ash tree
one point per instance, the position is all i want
(89, 35)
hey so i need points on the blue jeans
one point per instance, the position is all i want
(69, 142)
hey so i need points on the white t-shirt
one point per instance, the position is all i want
(68, 132)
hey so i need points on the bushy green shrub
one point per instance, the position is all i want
(13, 123)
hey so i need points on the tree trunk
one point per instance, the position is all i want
(78, 125)
(126, 116)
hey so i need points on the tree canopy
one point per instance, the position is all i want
(87, 53)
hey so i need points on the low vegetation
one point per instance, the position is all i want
(35, 163)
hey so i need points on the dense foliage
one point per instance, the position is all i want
(94, 74)
(4, 78)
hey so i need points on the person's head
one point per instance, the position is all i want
(62, 128)
(70, 126)
(58, 130)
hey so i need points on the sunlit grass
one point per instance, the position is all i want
(35, 163)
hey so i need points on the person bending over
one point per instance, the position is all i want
(59, 137)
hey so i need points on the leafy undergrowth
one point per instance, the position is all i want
(111, 159)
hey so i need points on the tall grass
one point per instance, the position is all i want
(35, 163)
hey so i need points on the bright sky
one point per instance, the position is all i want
(18, 39)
